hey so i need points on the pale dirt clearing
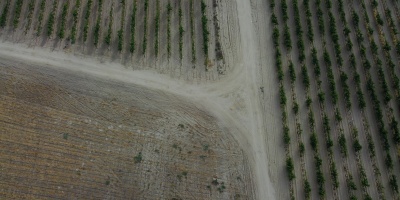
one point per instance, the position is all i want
(233, 100)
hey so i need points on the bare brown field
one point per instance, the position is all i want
(69, 136)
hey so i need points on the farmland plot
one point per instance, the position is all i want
(356, 128)
(102, 29)
(312, 87)
(64, 138)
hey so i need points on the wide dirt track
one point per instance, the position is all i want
(189, 127)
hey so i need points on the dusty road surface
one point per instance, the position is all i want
(234, 100)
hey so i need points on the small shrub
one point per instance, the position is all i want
(138, 158)
(302, 149)
(342, 145)
(393, 184)
(357, 146)
(296, 108)
(290, 168)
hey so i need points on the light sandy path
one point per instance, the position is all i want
(234, 100)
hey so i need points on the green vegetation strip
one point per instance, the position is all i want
(146, 8)
(31, 8)
(87, 16)
(4, 14)
(51, 21)
(192, 35)
(61, 32)
(107, 39)
(75, 14)
(41, 14)
(157, 27)
(181, 30)
(169, 10)
(97, 28)
(204, 22)
(17, 13)
(121, 30)
(133, 24)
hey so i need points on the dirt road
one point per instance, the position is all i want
(234, 100)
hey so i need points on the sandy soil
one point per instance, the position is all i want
(234, 100)
(68, 134)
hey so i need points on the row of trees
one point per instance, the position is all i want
(144, 44)
(75, 17)
(343, 77)
(31, 7)
(283, 102)
(204, 26)
(157, 26)
(97, 27)
(181, 30)
(107, 39)
(395, 81)
(371, 90)
(133, 27)
(40, 18)
(4, 14)
(62, 15)
(192, 35)
(17, 13)
(120, 32)
(51, 21)
(334, 36)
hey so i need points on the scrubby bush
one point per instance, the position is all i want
(357, 146)
(284, 8)
(290, 168)
(302, 149)
(292, 72)
(287, 41)
(307, 189)
(389, 161)
(314, 141)
(286, 135)
(282, 96)
(342, 145)
(393, 184)
(334, 175)
(296, 108)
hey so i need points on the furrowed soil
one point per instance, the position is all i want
(74, 136)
